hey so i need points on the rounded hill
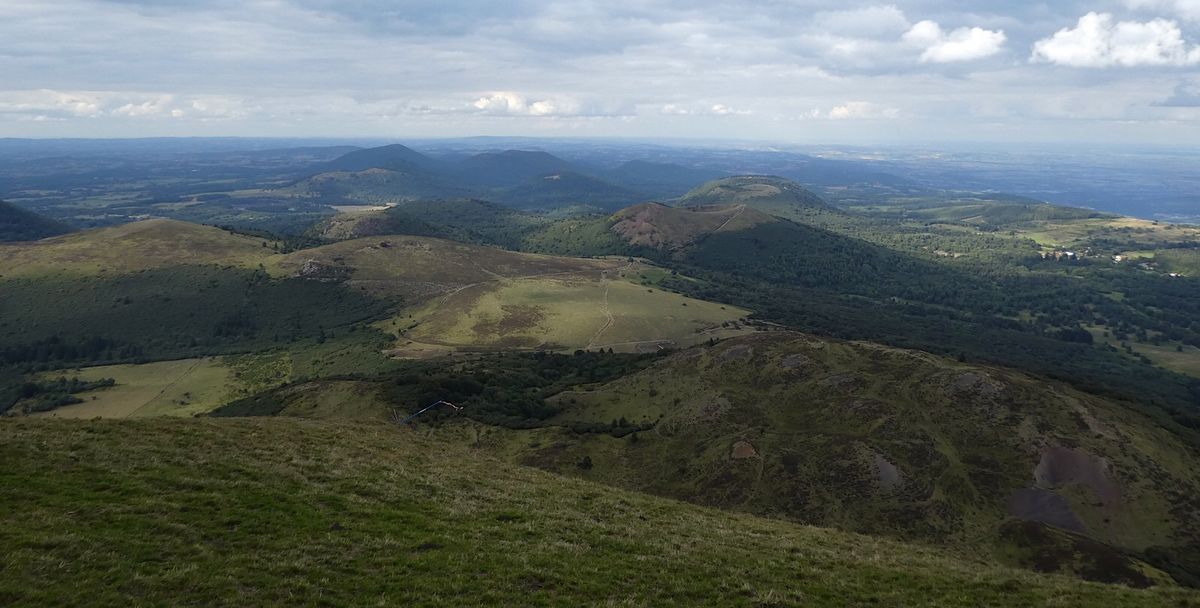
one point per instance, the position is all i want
(773, 195)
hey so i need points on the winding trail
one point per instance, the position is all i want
(607, 311)
(741, 208)
(181, 376)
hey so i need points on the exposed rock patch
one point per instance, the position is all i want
(736, 353)
(1062, 466)
(889, 476)
(1044, 506)
(320, 271)
(795, 362)
(973, 383)
(742, 450)
(843, 382)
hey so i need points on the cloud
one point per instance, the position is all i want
(502, 102)
(1186, 95)
(859, 110)
(866, 22)
(152, 107)
(508, 103)
(1097, 41)
(962, 44)
(881, 38)
(721, 109)
(1185, 9)
(700, 68)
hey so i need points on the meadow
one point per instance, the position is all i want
(564, 313)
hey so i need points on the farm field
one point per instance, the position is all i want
(1183, 261)
(1075, 232)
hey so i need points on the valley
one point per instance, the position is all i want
(937, 370)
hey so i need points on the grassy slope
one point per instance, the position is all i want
(415, 267)
(187, 387)
(963, 439)
(769, 195)
(659, 226)
(564, 313)
(130, 248)
(164, 388)
(285, 512)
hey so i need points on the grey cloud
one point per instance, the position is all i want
(669, 67)
(1186, 95)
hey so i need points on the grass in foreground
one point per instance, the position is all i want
(177, 512)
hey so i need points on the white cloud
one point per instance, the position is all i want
(1099, 41)
(150, 107)
(1185, 9)
(508, 103)
(721, 109)
(862, 110)
(867, 22)
(502, 102)
(962, 44)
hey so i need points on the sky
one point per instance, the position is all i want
(803, 71)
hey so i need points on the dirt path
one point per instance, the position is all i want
(607, 311)
(181, 376)
(499, 278)
(741, 208)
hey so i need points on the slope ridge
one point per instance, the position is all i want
(393, 157)
(883, 440)
(142, 245)
(770, 194)
(351, 501)
(658, 226)
(18, 224)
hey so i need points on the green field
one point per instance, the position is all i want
(1183, 261)
(1060, 233)
(1181, 358)
(563, 313)
(412, 268)
(165, 388)
(274, 512)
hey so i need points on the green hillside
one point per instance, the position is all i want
(772, 195)
(566, 188)
(851, 435)
(132, 247)
(283, 512)
(884, 441)
(658, 180)
(370, 186)
(412, 268)
(508, 168)
(464, 220)
(17, 224)
(394, 157)
(657, 226)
